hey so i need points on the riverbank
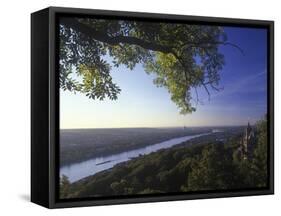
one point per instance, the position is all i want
(181, 168)
(78, 145)
(81, 170)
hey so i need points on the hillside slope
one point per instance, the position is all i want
(204, 164)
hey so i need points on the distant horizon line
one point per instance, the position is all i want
(240, 125)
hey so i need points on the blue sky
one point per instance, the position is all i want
(142, 104)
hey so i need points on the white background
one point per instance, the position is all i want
(15, 107)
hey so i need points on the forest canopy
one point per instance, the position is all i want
(182, 57)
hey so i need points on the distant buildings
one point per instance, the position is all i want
(247, 143)
(217, 131)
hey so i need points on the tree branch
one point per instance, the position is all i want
(102, 36)
(207, 90)
(204, 44)
(197, 97)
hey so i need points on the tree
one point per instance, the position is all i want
(259, 161)
(64, 187)
(119, 187)
(214, 170)
(182, 57)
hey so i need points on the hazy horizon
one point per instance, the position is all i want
(163, 127)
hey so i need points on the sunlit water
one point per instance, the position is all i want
(86, 168)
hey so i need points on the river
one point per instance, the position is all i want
(86, 168)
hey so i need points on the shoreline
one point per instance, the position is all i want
(93, 153)
(185, 144)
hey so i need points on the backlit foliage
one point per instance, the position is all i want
(181, 57)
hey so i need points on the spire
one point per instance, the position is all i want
(249, 126)
(249, 122)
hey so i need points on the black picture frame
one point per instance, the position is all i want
(45, 107)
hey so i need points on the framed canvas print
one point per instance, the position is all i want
(138, 107)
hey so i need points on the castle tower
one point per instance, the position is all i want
(247, 141)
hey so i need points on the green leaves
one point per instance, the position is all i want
(64, 187)
(182, 57)
(97, 84)
(260, 160)
(169, 74)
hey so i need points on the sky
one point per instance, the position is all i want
(142, 104)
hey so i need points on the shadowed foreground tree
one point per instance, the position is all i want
(182, 57)
(260, 154)
(64, 186)
(256, 169)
